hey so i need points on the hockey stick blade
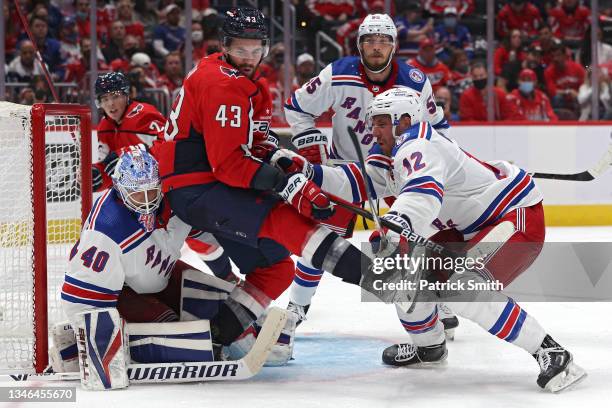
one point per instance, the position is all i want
(601, 167)
(181, 372)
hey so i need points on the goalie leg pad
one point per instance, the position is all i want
(170, 342)
(103, 355)
(202, 295)
(64, 352)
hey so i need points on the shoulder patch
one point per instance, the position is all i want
(416, 75)
(230, 72)
(137, 109)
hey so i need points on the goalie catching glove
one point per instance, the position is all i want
(312, 144)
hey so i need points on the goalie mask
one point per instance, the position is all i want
(136, 178)
(377, 25)
(396, 102)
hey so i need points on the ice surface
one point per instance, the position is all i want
(337, 361)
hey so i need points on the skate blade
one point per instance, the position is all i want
(426, 364)
(567, 379)
(449, 334)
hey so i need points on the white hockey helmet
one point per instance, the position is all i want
(380, 24)
(396, 102)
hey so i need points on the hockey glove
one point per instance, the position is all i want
(312, 145)
(96, 178)
(291, 162)
(306, 197)
(109, 163)
(394, 243)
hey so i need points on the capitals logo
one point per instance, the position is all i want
(416, 75)
(137, 109)
(230, 72)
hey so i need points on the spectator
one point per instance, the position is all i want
(131, 46)
(197, 41)
(518, 14)
(444, 98)
(169, 36)
(48, 47)
(569, 22)
(332, 11)
(438, 7)
(451, 36)
(304, 69)
(508, 59)
(438, 73)
(605, 97)
(545, 42)
(461, 78)
(270, 67)
(532, 103)
(147, 11)
(69, 40)
(533, 61)
(172, 78)
(563, 79)
(12, 31)
(138, 84)
(277, 91)
(77, 70)
(365, 7)
(125, 14)
(149, 70)
(473, 102)
(114, 49)
(48, 11)
(103, 19)
(411, 29)
(604, 51)
(26, 96)
(25, 66)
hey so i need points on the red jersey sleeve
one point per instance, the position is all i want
(549, 77)
(227, 121)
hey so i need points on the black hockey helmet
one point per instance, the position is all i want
(112, 82)
(244, 22)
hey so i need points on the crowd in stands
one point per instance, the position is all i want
(542, 50)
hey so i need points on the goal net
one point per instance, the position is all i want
(45, 191)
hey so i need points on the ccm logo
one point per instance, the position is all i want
(311, 139)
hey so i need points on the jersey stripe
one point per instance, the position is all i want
(90, 286)
(423, 326)
(509, 324)
(93, 215)
(425, 185)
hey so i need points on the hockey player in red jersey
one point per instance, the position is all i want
(125, 123)
(215, 180)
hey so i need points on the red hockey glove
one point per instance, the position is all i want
(312, 144)
(291, 162)
(394, 243)
(306, 197)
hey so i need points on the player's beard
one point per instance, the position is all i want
(249, 72)
(375, 67)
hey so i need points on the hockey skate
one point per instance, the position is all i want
(300, 312)
(407, 354)
(449, 320)
(557, 368)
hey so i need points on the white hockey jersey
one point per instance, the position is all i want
(344, 87)
(113, 250)
(437, 185)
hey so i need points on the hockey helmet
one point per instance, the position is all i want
(136, 174)
(245, 22)
(379, 24)
(396, 102)
(111, 82)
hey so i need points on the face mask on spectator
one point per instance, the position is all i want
(279, 58)
(463, 68)
(480, 83)
(450, 22)
(526, 87)
(197, 36)
(82, 15)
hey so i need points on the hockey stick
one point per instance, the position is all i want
(601, 167)
(24, 23)
(181, 372)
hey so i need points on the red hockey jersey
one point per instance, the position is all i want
(217, 117)
(141, 123)
(528, 20)
(438, 74)
(569, 26)
(536, 108)
(569, 78)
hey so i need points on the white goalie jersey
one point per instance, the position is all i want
(114, 249)
(437, 185)
(344, 87)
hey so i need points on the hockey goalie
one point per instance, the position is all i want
(139, 314)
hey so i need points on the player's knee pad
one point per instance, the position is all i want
(170, 342)
(63, 352)
(273, 280)
(102, 347)
(202, 294)
(422, 323)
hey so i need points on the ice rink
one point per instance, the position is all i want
(337, 361)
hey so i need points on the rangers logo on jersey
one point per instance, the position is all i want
(416, 75)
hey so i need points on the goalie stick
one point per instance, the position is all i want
(181, 372)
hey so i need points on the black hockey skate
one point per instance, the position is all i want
(406, 354)
(300, 312)
(449, 320)
(557, 368)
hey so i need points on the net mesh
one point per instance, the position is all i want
(62, 151)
